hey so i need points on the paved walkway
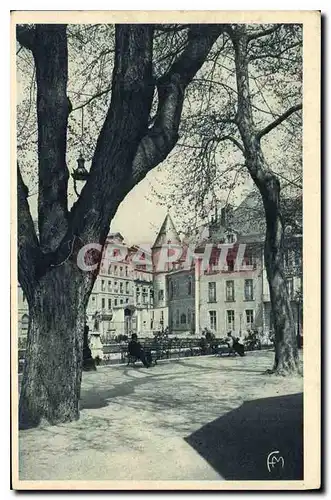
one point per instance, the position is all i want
(147, 424)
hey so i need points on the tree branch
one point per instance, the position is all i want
(27, 241)
(262, 33)
(26, 36)
(162, 137)
(233, 140)
(125, 125)
(95, 96)
(278, 121)
(51, 58)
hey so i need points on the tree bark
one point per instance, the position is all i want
(53, 364)
(286, 351)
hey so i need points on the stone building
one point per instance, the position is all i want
(149, 296)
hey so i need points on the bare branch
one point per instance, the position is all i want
(95, 96)
(262, 33)
(162, 137)
(278, 121)
(233, 140)
(125, 124)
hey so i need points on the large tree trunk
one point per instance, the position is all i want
(286, 349)
(52, 373)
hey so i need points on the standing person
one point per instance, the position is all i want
(88, 361)
(136, 350)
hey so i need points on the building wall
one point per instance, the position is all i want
(160, 290)
(181, 293)
(241, 306)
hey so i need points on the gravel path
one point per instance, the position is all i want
(137, 423)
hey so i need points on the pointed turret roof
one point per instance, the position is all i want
(167, 233)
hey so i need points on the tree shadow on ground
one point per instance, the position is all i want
(237, 444)
(92, 399)
(227, 368)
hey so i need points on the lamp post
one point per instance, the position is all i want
(80, 173)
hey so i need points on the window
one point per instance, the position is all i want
(229, 291)
(189, 286)
(115, 285)
(121, 301)
(109, 304)
(230, 319)
(109, 285)
(121, 271)
(249, 318)
(177, 317)
(249, 290)
(289, 286)
(230, 238)
(230, 265)
(161, 316)
(127, 290)
(103, 303)
(212, 291)
(121, 287)
(115, 270)
(115, 302)
(126, 270)
(161, 295)
(183, 319)
(212, 320)
(127, 301)
(109, 269)
(249, 258)
(103, 285)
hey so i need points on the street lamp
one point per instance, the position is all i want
(80, 173)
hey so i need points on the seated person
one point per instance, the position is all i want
(203, 345)
(230, 339)
(136, 350)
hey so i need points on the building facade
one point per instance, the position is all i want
(132, 297)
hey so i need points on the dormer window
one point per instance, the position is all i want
(230, 238)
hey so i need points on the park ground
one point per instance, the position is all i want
(201, 418)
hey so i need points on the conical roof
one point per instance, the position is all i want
(167, 233)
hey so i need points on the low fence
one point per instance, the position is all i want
(116, 353)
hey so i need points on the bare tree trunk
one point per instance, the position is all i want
(286, 350)
(52, 372)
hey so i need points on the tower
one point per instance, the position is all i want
(167, 235)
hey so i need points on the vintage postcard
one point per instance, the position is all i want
(165, 276)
